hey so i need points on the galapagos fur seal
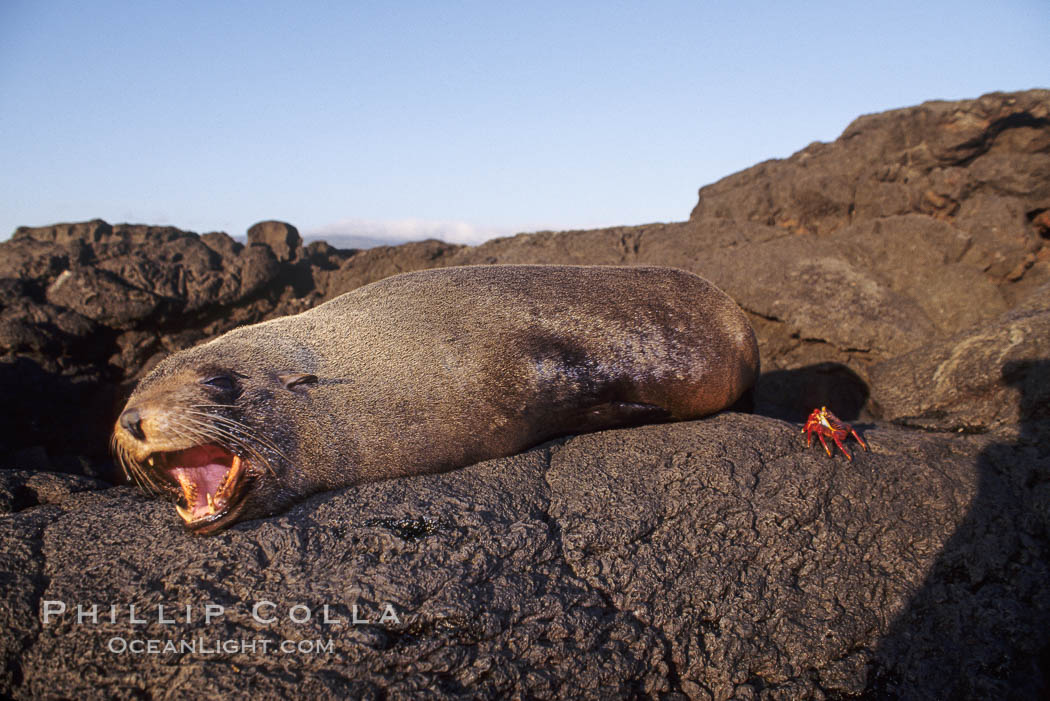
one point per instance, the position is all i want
(424, 372)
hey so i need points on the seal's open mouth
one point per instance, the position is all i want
(211, 483)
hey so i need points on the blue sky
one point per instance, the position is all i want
(458, 120)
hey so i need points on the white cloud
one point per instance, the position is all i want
(393, 231)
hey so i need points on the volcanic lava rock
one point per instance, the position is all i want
(281, 238)
(708, 559)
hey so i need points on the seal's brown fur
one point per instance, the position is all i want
(438, 369)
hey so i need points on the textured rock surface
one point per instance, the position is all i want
(666, 559)
(900, 275)
(991, 376)
(281, 238)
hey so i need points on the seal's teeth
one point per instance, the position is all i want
(230, 477)
(188, 488)
(211, 504)
(186, 514)
(149, 461)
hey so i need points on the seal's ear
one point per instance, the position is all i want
(291, 379)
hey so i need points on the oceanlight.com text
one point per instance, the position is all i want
(203, 646)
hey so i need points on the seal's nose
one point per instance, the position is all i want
(131, 422)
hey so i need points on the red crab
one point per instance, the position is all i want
(824, 423)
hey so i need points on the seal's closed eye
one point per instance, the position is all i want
(222, 382)
(291, 379)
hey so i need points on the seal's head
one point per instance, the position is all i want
(205, 429)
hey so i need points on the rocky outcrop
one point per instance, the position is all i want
(974, 380)
(711, 559)
(282, 239)
(982, 165)
(900, 275)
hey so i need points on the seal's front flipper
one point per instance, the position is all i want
(618, 415)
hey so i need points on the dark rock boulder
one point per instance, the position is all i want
(101, 296)
(281, 238)
(972, 381)
(383, 261)
(94, 231)
(982, 165)
(147, 265)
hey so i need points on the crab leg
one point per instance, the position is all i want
(825, 444)
(835, 436)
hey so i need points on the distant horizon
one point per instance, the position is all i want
(461, 122)
(364, 234)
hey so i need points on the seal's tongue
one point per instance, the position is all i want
(204, 473)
